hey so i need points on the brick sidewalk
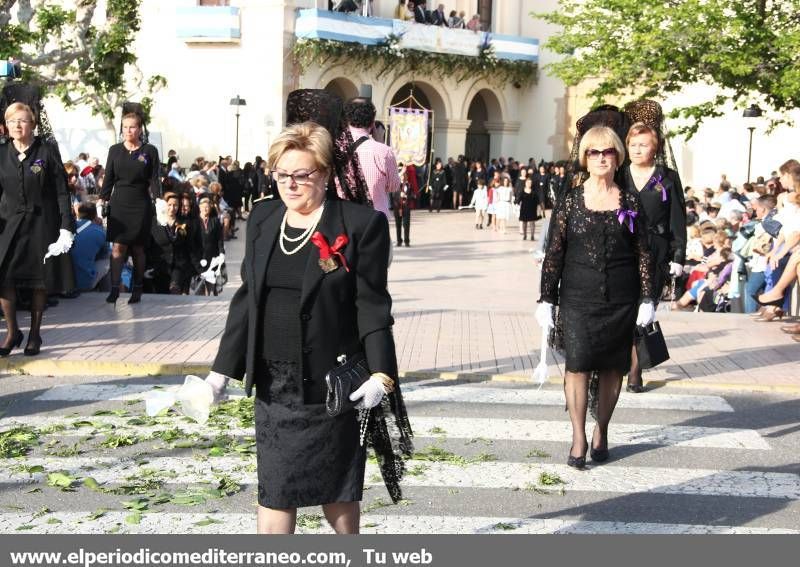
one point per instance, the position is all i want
(463, 303)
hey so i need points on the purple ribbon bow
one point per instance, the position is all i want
(655, 183)
(622, 213)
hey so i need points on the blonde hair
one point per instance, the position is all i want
(642, 128)
(306, 137)
(18, 107)
(600, 136)
(133, 116)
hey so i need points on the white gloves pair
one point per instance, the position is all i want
(60, 246)
(218, 383)
(369, 394)
(675, 269)
(544, 315)
(210, 275)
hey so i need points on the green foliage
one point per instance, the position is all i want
(76, 60)
(750, 49)
(18, 441)
(389, 60)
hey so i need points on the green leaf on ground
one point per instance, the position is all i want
(137, 504)
(116, 412)
(18, 441)
(59, 480)
(504, 526)
(92, 484)
(29, 469)
(309, 521)
(24, 527)
(134, 518)
(537, 454)
(53, 521)
(550, 479)
(41, 512)
(120, 440)
(436, 430)
(437, 454)
(97, 514)
(208, 521)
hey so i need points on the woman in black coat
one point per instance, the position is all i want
(131, 182)
(437, 188)
(314, 288)
(174, 253)
(661, 193)
(211, 237)
(35, 218)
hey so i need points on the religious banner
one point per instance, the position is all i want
(409, 134)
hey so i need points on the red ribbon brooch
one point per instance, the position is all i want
(328, 253)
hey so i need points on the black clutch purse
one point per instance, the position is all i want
(651, 348)
(343, 380)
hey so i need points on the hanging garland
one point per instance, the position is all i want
(388, 58)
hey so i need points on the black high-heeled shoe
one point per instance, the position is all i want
(774, 303)
(634, 388)
(32, 350)
(598, 455)
(577, 462)
(136, 295)
(113, 295)
(5, 351)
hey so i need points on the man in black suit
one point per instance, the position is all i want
(420, 13)
(438, 17)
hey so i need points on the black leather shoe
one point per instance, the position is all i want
(136, 295)
(599, 455)
(5, 351)
(32, 349)
(577, 462)
(635, 388)
(113, 295)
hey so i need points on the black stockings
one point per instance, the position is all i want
(576, 390)
(119, 254)
(8, 302)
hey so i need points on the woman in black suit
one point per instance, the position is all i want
(35, 216)
(132, 180)
(294, 315)
(211, 235)
(661, 194)
(174, 253)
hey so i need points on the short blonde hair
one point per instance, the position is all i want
(307, 137)
(602, 137)
(19, 107)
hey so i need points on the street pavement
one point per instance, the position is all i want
(711, 448)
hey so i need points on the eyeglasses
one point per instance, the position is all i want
(299, 177)
(18, 121)
(595, 154)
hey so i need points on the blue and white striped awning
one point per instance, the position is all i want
(335, 26)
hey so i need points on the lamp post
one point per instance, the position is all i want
(237, 101)
(751, 113)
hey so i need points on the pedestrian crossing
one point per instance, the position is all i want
(490, 459)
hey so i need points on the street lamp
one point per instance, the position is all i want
(752, 112)
(237, 101)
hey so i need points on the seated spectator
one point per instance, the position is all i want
(707, 290)
(89, 252)
(76, 193)
(474, 24)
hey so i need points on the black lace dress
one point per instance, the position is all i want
(305, 457)
(597, 269)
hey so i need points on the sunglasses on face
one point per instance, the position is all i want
(607, 153)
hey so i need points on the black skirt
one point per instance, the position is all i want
(598, 336)
(305, 457)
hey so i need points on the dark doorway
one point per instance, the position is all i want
(477, 146)
(485, 13)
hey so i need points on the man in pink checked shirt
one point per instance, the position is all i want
(376, 159)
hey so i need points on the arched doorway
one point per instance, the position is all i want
(483, 111)
(343, 88)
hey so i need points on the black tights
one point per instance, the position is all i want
(8, 302)
(576, 390)
(119, 253)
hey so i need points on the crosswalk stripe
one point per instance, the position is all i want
(450, 427)
(492, 475)
(416, 393)
(471, 395)
(377, 523)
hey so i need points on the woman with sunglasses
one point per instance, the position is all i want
(661, 193)
(597, 269)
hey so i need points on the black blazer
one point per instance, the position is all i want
(341, 312)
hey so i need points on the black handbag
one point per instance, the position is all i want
(651, 348)
(343, 380)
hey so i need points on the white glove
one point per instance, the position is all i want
(60, 246)
(675, 269)
(544, 315)
(149, 273)
(646, 315)
(218, 383)
(203, 263)
(370, 393)
(210, 276)
(217, 261)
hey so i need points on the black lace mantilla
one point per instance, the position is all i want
(389, 434)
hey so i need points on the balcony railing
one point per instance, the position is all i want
(208, 24)
(323, 24)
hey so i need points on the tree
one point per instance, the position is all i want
(749, 49)
(74, 59)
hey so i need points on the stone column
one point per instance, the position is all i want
(503, 139)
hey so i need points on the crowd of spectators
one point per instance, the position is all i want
(414, 11)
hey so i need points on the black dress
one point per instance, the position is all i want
(664, 208)
(540, 185)
(34, 205)
(305, 457)
(131, 182)
(527, 206)
(598, 271)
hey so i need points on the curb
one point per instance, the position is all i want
(45, 367)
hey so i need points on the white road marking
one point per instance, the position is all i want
(371, 523)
